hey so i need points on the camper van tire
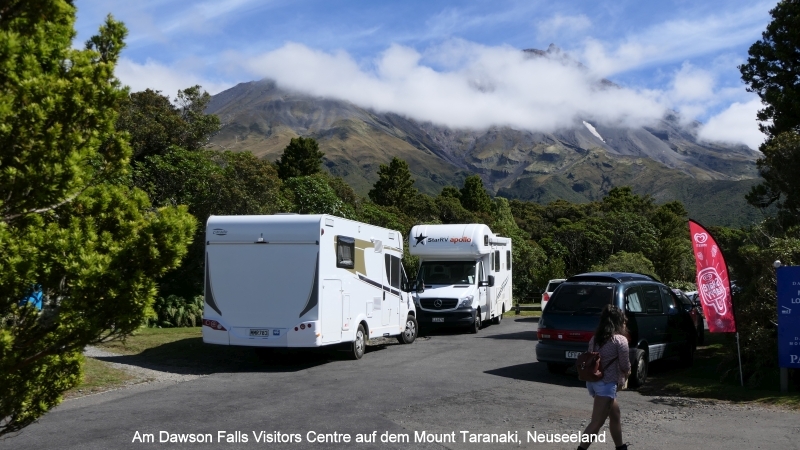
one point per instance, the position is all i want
(476, 325)
(498, 318)
(359, 344)
(410, 333)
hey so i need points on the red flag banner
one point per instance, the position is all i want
(713, 284)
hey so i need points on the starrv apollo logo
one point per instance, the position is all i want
(219, 231)
(461, 239)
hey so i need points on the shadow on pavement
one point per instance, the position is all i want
(537, 371)
(192, 357)
(520, 335)
(525, 319)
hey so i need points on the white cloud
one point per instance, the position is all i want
(736, 125)
(486, 86)
(156, 76)
(562, 24)
(676, 40)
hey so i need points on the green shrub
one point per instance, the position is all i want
(174, 311)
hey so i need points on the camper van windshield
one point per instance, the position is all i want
(447, 272)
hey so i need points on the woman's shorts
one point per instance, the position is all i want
(602, 389)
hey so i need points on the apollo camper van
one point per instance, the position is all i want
(464, 277)
(291, 280)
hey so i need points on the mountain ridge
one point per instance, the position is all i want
(260, 117)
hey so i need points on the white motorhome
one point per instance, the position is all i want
(464, 275)
(290, 280)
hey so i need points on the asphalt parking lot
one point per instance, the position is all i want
(443, 384)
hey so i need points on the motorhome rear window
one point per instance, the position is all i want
(583, 298)
(345, 252)
(447, 272)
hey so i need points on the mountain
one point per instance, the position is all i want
(579, 164)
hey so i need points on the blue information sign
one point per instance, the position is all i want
(789, 316)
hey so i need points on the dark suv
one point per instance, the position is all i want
(658, 326)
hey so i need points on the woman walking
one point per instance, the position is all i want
(611, 342)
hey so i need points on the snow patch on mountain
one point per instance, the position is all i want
(593, 130)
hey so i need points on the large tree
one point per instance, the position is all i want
(155, 123)
(771, 71)
(300, 158)
(474, 197)
(96, 248)
(394, 187)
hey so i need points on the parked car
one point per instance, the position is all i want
(657, 326)
(695, 312)
(548, 291)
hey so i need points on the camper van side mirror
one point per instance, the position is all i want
(491, 280)
(488, 282)
(418, 286)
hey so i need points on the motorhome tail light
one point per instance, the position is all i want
(213, 324)
(295, 328)
(302, 326)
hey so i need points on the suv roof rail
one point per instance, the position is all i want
(610, 277)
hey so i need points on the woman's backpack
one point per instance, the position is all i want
(589, 368)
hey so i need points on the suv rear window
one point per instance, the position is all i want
(590, 298)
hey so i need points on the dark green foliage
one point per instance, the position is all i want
(394, 187)
(95, 246)
(300, 158)
(474, 197)
(627, 262)
(155, 124)
(174, 311)
(779, 167)
(313, 195)
(209, 182)
(772, 67)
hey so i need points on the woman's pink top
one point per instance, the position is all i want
(616, 347)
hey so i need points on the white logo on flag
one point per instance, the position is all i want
(700, 238)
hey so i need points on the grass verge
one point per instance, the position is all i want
(99, 376)
(702, 380)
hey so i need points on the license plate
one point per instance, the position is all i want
(437, 319)
(259, 332)
(573, 355)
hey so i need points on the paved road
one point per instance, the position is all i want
(448, 382)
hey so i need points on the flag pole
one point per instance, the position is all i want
(739, 351)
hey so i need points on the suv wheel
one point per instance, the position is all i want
(701, 333)
(687, 354)
(639, 369)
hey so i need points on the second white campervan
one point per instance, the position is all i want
(290, 280)
(464, 277)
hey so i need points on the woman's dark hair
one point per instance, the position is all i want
(612, 321)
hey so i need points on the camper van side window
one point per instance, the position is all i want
(497, 260)
(345, 252)
(392, 270)
(508, 259)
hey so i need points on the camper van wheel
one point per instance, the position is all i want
(477, 324)
(497, 319)
(410, 333)
(360, 343)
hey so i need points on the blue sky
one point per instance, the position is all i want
(456, 63)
